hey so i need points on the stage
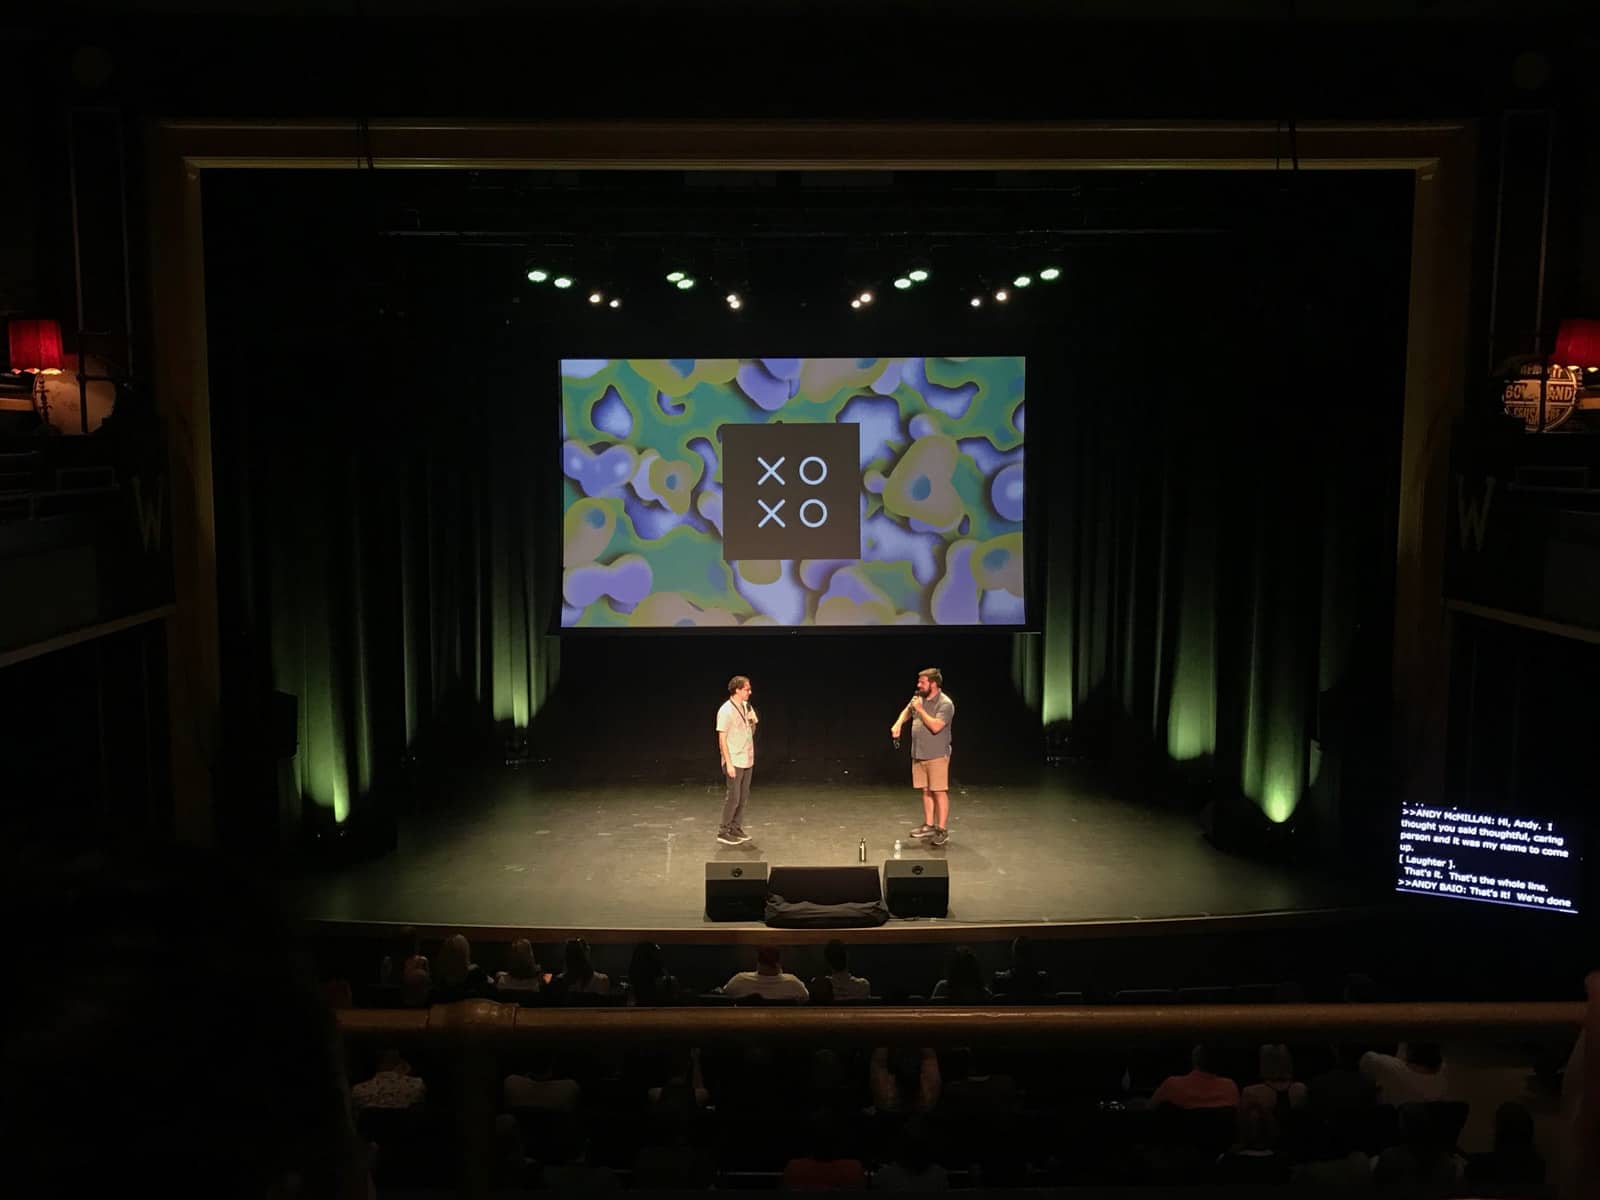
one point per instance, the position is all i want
(520, 851)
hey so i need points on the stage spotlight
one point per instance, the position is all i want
(1002, 296)
(977, 302)
(595, 297)
(856, 303)
(685, 283)
(902, 283)
(562, 281)
(917, 276)
(1050, 274)
(1022, 281)
(865, 297)
(734, 301)
(675, 276)
(614, 303)
(535, 275)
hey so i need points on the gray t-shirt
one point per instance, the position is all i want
(933, 745)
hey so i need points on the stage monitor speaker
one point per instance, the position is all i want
(826, 885)
(917, 888)
(736, 891)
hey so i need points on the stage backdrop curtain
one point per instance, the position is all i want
(387, 581)
(1219, 561)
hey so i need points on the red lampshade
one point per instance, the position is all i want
(36, 346)
(1578, 343)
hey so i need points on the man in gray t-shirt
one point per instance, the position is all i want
(931, 713)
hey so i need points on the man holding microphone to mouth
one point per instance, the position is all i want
(930, 713)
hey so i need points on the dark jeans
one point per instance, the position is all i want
(738, 795)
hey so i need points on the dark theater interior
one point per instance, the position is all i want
(800, 596)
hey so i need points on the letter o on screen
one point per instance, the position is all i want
(806, 521)
(812, 458)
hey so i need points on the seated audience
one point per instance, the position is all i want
(668, 1159)
(1023, 980)
(684, 1086)
(1413, 1076)
(416, 982)
(648, 981)
(539, 1087)
(1338, 1160)
(513, 1169)
(1514, 1160)
(1423, 1162)
(963, 980)
(579, 978)
(904, 1079)
(1277, 1096)
(392, 1085)
(968, 1089)
(826, 1168)
(1200, 1088)
(769, 980)
(455, 975)
(567, 1168)
(229, 1075)
(1342, 1087)
(1253, 1160)
(913, 1168)
(844, 986)
(521, 976)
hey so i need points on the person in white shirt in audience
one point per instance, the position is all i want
(846, 987)
(392, 1085)
(769, 980)
(522, 970)
(539, 1088)
(1414, 1075)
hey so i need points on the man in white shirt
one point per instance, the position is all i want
(769, 980)
(1415, 1075)
(736, 726)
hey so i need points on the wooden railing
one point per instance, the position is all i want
(488, 1024)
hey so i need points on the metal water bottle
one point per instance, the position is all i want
(861, 851)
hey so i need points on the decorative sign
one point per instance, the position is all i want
(791, 491)
(1560, 396)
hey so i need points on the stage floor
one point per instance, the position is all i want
(1054, 848)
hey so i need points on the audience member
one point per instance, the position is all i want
(844, 986)
(567, 1168)
(684, 1085)
(1277, 1097)
(1253, 1160)
(1514, 1161)
(1200, 1088)
(648, 981)
(1422, 1163)
(1022, 980)
(1342, 1087)
(913, 1168)
(668, 1158)
(969, 1091)
(521, 976)
(769, 980)
(904, 1079)
(455, 975)
(416, 982)
(392, 1085)
(963, 980)
(1578, 1170)
(579, 978)
(228, 1075)
(539, 1087)
(1339, 1160)
(827, 1168)
(1413, 1076)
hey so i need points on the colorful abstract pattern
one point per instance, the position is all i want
(941, 492)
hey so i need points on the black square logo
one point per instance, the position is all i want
(791, 491)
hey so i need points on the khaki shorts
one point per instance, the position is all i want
(931, 774)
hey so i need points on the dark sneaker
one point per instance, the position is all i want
(741, 835)
(728, 839)
(938, 837)
(922, 831)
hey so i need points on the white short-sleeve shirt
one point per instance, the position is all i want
(732, 720)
